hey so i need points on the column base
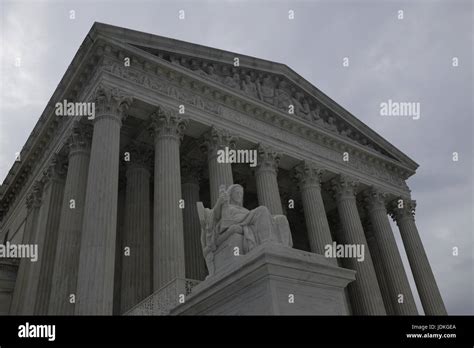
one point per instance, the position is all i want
(271, 280)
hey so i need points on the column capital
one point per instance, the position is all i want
(56, 170)
(191, 170)
(368, 227)
(216, 139)
(166, 122)
(401, 209)
(307, 174)
(268, 158)
(79, 138)
(33, 199)
(140, 156)
(344, 187)
(110, 102)
(375, 199)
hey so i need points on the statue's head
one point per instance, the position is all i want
(236, 194)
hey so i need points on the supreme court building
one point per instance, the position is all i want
(109, 198)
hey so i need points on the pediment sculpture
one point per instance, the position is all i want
(229, 224)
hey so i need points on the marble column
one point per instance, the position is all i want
(136, 270)
(403, 212)
(33, 204)
(39, 289)
(119, 250)
(167, 127)
(401, 296)
(378, 266)
(266, 179)
(64, 278)
(308, 176)
(365, 295)
(336, 232)
(219, 173)
(95, 282)
(190, 175)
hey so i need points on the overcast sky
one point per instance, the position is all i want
(408, 60)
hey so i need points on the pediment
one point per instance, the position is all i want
(271, 83)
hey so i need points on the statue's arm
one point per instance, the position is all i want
(217, 210)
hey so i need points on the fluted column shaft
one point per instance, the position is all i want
(395, 276)
(366, 298)
(424, 279)
(65, 270)
(379, 270)
(195, 263)
(136, 267)
(39, 288)
(219, 173)
(95, 282)
(33, 204)
(168, 247)
(319, 234)
(266, 179)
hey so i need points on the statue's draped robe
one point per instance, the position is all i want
(257, 224)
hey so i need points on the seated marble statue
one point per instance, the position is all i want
(229, 217)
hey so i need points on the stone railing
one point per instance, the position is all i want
(162, 301)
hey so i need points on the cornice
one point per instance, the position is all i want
(49, 127)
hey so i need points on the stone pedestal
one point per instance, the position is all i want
(271, 280)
